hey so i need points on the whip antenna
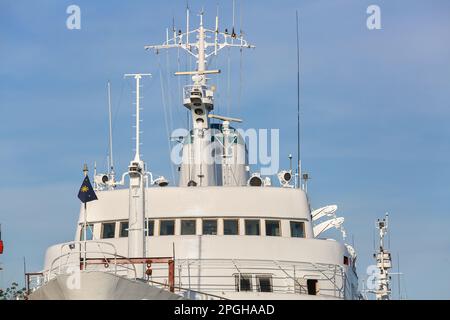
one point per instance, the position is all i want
(299, 164)
(111, 158)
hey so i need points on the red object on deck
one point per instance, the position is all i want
(1, 246)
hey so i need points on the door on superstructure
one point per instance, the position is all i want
(313, 287)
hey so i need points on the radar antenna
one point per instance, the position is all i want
(198, 169)
(201, 50)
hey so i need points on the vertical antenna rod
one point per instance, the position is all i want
(111, 158)
(299, 164)
(187, 25)
(398, 275)
(138, 77)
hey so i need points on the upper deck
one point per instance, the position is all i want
(181, 202)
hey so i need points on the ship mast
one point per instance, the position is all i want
(384, 263)
(137, 174)
(199, 97)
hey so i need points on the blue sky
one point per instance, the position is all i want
(375, 110)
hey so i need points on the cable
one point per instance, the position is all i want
(165, 114)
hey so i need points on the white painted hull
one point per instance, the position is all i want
(100, 286)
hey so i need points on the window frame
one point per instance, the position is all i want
(203, 227)
(258, 277)
(238, 277)
(114, 223)
(252, 220)
(279, 227)
(188, 220)
(125, 230)
(302, 223)
(167, 220)
(237, 227)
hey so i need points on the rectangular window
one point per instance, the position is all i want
(243, 282)
(264, 283)
(167, 227)
(188, 227)
(108, 230)
(252, 228)
(230, 226)
(297, 229)
(89, 232)
(273, 228)
(149, 228)
(210, 227)
(123, 229)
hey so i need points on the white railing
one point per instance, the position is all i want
(204, 278)
(75, 256)
(219, 277)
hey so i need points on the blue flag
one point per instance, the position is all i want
(86, 192)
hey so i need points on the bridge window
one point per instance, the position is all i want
(89, 232)
(188, 227)
(264, 282)
(243, 282)
(252, 228)
(108, 230)
(230, 226)
(123, 229)
(210, 227)
(297, 229)
(167, 227)
(273, 228)
(149, 228)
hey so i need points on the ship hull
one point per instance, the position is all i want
(99, 286)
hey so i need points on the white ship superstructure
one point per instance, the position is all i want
(222, 233)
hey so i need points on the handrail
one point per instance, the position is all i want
(52, 269)
(84, 252)
(189, 290)
(217, 276)
(332, 276)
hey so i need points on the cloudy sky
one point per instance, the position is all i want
(375, 113)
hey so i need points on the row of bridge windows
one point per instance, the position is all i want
(167, 227)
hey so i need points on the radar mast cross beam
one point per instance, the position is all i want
(200, 50)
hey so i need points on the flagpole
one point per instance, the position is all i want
(85, 171)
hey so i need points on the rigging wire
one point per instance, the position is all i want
(169, 93)
(166, 120)
(115, 112)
